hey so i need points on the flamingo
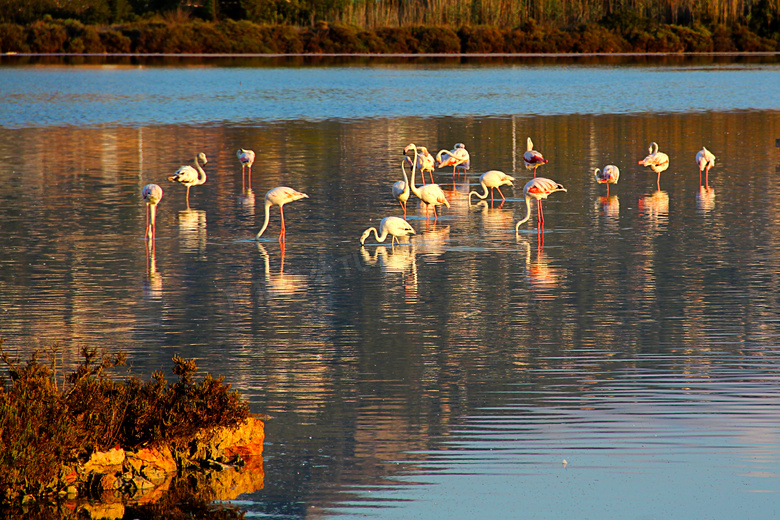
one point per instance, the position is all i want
(279, 196)
(458, 157)
(705, 160)
(493, 179)
(401, 190)
(189, 176)
(393, 226)
(430, 194)
(609, 175)
(152, 194)
(537, 188)
(532, 158)
(246, 158)
(657, 161)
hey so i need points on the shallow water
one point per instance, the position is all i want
(453, 375)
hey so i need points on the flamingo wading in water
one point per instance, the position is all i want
(657, 161)
(393, 226)
(532, 158)
(279, 196)
(152, 195)
(430, 194)
(401, 189)
(705, 160)
(247, 159)
(458, 157)
(609, 175)
(537, 188)
(493, 179)
(189, 176)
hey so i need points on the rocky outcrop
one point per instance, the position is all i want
(228, 460)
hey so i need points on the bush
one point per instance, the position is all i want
(43, 427)
(13, 38)
(481, 39)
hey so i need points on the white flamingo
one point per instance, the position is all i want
(189, 176)
(493, 179)
(532, 158)
(247, 159)
(279, 196)
(705, 160)
(609, 175)
(401, 189)
(393, 226)
(458, 157)
(430, 194)
(657, 161)
(152, 195)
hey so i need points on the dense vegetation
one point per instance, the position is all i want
(45, 425)
(387, 26)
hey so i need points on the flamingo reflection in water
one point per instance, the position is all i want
(429, 194)
(153, 282)
(656, 207)
(705, 199)
(458, 158)
(279, 196)
(538, 188)
(493, 179)
(192, 231)
(401, 261)
(495, 221)
(609, 209)
(246, 202)
(540, 274)
(656, 161)
(189, 176)
(280, 284)
(705, 160)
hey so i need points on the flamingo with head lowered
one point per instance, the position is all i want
(279, 196)
(152, 195)
(189, 176)
(537, 188)
(393, 226)
(705, 160)
(609, 175)
(657, 161)
(458, 158)
(493, 179)
(532, 158)
(430, 194)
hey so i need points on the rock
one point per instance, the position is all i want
(100, 461)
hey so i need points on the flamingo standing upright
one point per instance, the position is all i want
(189, 176)
(247, 159)
(609, 175)
(657, 161)
(401, 189)
(428, 163)
(430, 194)
(537, 188)
(152, 195)
(393, 226)
(493, 179)
(705, 160)
(458, 158)
(532, 158)
(279, 196)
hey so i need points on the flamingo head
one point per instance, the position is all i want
(410, 146)
(365, 236)
(202, 158)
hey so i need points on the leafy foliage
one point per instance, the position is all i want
(43, 427)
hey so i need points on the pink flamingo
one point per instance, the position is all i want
(279, 196)
(393, 226)
(532, 158)
(458, 157)
(401, 189)
(537, 188)
(657, 161)
(247, 159)
(609, 175)
(430, 194)
(189, 176)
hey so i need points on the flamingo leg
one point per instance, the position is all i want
(188, 197)
(283, 232)
(658, 181)
(435, 215)
(607, 190)
(503, 199)
(539, 212)
(707, 177)
(249, 178)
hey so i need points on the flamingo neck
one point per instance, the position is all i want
(484, 195)
(268, 204)
(414, 171)
(201, 172)
(527, 213)
(406, 180)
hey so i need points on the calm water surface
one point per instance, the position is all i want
(449, 377)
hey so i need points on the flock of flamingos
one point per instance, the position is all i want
(431, 195)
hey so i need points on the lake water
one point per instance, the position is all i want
(451, 376)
